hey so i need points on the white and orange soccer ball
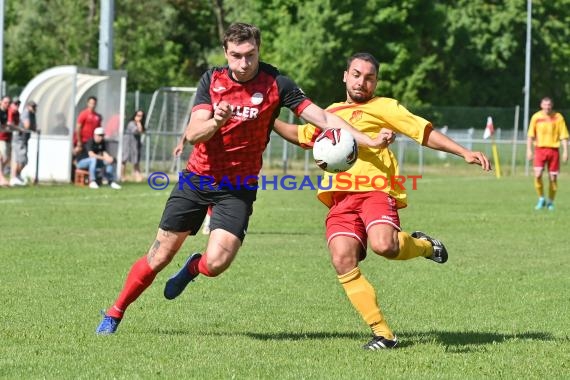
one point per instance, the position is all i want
(335, 150)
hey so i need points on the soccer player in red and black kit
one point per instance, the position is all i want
(229, 126)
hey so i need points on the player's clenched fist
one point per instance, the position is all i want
(222, 113)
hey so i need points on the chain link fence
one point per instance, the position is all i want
(463, 124)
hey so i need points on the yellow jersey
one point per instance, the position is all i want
(547, 130)
(375, 169)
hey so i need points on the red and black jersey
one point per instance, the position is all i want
(89, 120)
(235, 150)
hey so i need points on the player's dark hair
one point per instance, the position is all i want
(365, 57)
(92, 97)
(240, 32)
(547, 99)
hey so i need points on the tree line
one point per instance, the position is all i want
(452, 53)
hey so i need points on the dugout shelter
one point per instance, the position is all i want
(61, 93)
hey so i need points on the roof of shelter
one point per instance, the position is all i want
(56, 84)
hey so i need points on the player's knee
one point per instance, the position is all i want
(385, 247)
(216, 266)
(343, 263)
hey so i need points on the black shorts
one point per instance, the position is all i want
(187, 206)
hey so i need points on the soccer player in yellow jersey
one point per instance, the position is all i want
(363, 212)
(547, 131)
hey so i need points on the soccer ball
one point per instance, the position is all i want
(335, 150)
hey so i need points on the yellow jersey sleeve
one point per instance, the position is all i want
(307, 135)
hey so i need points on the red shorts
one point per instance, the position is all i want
(352, 214)
(550, 156)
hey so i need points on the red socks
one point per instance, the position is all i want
(203, 267)
(138, 279)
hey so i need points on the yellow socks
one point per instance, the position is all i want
(363, 297)
(552, 190)
(538, 186)
(411, 248)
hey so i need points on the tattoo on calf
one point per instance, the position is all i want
(153, 250)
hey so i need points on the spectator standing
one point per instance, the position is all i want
(20, 143)
(132, 143)
(5, 138)
(87, 121)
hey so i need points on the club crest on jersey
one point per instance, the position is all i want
(356, 116)
(257, 98)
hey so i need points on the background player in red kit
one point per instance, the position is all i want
(87, 120)
(230, 125)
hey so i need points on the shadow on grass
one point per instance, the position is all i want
(466, 341)
(453, 341)
(303, 336)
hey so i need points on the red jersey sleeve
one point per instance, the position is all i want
(11, 116)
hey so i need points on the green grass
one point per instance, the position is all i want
(498, 308)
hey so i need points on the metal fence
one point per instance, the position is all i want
(283, 157)
(412, 157)
(463, 124)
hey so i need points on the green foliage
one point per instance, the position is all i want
(489, 41)
(143, 48)
(41, 35)
(461, 53)
(551, 52)
(162, 43)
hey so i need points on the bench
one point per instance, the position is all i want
(81, 177)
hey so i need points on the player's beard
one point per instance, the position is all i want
(361, 97)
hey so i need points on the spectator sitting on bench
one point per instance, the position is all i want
(93, 156)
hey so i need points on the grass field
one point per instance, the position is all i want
(498, 309)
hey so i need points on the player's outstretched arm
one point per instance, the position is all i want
(439, 141)
(319, 117)
(288, 131)
(177, 151)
